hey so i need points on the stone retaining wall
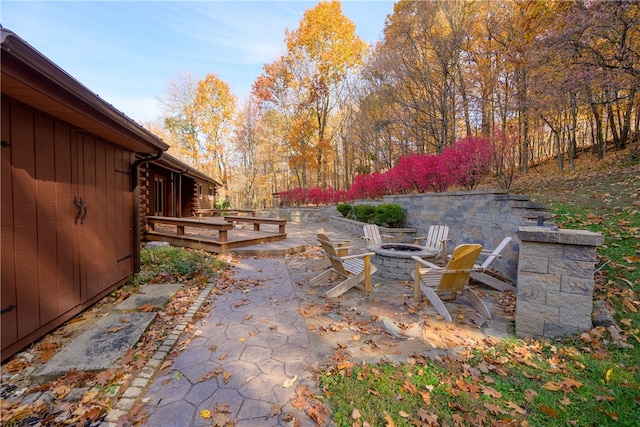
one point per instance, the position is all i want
(484, 217)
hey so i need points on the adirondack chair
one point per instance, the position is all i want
(437, 238)
(479, 274)
(451, 279)
(353, 270)
(372, 235)
(342, 248)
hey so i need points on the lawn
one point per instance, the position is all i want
(589, 380)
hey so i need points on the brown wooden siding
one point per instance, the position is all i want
(54, 265)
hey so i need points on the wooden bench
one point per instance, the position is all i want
(256, 221)
(221, 212)
(181, 223)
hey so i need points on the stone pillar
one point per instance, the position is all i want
(555, 281)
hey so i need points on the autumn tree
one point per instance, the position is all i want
(419, 61)
(306, 83)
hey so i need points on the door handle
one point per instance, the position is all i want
(84, 206)
(79, 206)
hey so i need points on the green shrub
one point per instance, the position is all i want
(222, 204)
(364, 213)
(344, 209)
(389, 215)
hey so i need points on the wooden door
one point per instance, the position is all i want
(66, 220)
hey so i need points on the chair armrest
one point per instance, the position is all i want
(364, 255)
(425, 263)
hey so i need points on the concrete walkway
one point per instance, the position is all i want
(245, 361)
(248, 360)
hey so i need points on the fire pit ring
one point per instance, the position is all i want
(394, 259)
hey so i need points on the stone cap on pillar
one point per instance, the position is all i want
(561, 236)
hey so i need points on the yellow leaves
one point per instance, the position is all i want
(290, 381)
(205, 414)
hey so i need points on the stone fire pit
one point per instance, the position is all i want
(394, 259)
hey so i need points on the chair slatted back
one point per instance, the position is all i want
(456, 274)
(372, 234)
(330, 252)
(436, 235)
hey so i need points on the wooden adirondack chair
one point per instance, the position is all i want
(437, 238)
(372, 235)
(342, 248)
(353, 270)
(434, 280)
(479, 274)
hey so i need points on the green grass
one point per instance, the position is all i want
(173, 264)
(589, 380)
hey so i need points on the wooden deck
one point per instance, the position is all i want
(203, 233)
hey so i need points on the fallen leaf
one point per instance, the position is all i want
(205, 413)
(275, 411)
(516, 408)
(549, 411)
(569, 384)
(529, 395)
(410, 388)
(490, 391)
(390, 422)
(493, 408)
(608, 398)
(355, 414)
(608, 374)
(148, 307)
(553, 386)
(291, 381)
(127, 358)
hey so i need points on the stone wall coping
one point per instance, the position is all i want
(457, 193)
(560, 236)
(382, 229)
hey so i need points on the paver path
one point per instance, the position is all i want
(250, 353)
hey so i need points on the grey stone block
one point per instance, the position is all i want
(547, 282)
(553, 330)
(581, 269)
(533, 264)
(577, 285)
(526, 309)
(580, 253)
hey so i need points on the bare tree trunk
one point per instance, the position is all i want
(626, 128)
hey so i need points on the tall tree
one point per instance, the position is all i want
(179, 117)
(321, 53)
(214, 108)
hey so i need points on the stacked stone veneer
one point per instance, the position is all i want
(555, 281)
(484, 217)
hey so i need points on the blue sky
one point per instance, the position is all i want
(127, 51)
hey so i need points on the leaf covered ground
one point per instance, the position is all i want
(589, 380)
